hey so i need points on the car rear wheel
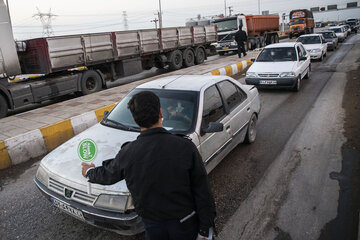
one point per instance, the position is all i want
(307, 76)
(251, 131)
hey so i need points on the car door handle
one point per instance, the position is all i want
(228, 127)
(248, 109)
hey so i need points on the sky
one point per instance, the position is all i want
(86, 16)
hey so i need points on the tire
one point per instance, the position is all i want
(188, 58)
(90, 82)
(199, 55)
(3, 106)
(262, 42)
(325, 54)
(307, 76)
(221, 53)
(258, 43)
(297, 85)
(290, 36)
(321, 58)
(272, 39)
(175, 60)
(251, 131)
(276, 39)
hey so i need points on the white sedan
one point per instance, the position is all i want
(280, 65)
(315, 44)
(216, 112)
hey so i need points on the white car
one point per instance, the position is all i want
(315, 44)
(280, 65)
(340, 32)
(216, 112)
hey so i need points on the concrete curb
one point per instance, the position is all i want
(38, 142)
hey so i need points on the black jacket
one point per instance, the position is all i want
(240, 36)
(165, 175)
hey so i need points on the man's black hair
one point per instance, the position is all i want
(145, 108)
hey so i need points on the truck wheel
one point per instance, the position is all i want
(199, 55)
(90, 82)
(258, 43)
(3, 106)
(272, 39)
(221, 53)
(189, 58)
(290, 36)
(276, 38)
(175, 60)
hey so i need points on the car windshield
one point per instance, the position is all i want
(300, 21)
(179, 110)
(309, 40)
(277, 54)
(227, 25)
(337, 30)
(328, 34)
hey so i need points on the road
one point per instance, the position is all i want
(258, 188)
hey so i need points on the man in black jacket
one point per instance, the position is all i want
(240, 38)
(164, 174)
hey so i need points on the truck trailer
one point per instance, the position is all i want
(301, 22)
(261, 30)
(83, 63)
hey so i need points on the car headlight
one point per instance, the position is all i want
(42, 175)
(251, 74)
(233, 43)
(287, 74)
(316, 50)
(118, 203)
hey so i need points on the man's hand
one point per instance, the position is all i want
(85, 167)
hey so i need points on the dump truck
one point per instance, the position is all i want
(301, 22)
(261, 30)
(83, 63)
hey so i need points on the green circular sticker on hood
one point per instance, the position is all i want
(87, 150)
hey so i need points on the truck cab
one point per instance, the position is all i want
(227, 28)
(301, 22)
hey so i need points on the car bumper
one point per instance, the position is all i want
(315, 55)
(287, 82)
(331, 45)
(227, 48)
(122, 223)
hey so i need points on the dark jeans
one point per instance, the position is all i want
(170, 230)
(241, 48)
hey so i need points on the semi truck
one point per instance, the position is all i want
(301, 22)
(83, 63)
(261, 30)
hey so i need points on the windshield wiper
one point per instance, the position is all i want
(120, 125)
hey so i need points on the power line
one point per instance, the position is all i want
(45, 19)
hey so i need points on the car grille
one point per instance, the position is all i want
(76, 195)
(269, 75)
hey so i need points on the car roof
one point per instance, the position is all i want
(310, 35)
(183, 82)
(280, 45)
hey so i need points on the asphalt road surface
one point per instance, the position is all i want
(275, 167)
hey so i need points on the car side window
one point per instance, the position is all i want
(213, 108)
(300, 53)
(231, 94)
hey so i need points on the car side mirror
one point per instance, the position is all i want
(213, 127)
(252, 59)
(106, 113)
(302, 58)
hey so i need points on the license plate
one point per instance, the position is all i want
(225, 48)
(67, 208)
(268, 82)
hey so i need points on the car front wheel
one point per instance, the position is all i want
(307, 76)
(297, 84)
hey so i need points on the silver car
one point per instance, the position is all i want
(216, 112)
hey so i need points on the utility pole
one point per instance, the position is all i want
(259, 6)
(45, 19)
(160, 15)
(230, 10)
(155, 21)
(126, 26)
(225, 7)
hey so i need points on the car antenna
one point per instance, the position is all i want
(163, 87)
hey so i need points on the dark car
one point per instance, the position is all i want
(331, 39)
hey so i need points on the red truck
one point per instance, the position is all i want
(261, 30)
(83, 63)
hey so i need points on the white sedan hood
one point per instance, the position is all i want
(310, 47)
(272, 67)
(64, 162)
